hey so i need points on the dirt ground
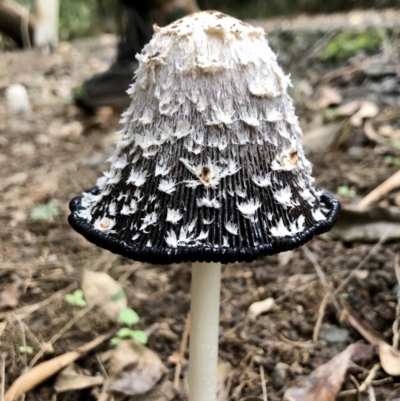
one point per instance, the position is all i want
(57, 152)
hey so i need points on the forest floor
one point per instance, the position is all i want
(349, 109)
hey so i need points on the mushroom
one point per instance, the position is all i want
(210, 168)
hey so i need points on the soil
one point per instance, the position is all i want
(57, 152)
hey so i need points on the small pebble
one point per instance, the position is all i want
(334, 334)
(18, 100)
(256, 308)
(280, 375)
(167, 334)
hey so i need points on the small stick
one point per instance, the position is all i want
(371, 393)
(321, 275)
(33, 377)
(23, 339)
(362, 262)
(182, 350)
(3, 375)
(388, 185)
(357, 384)
(396, 323)
(77, 317)
(263, 385)
(29, 309)
(60, 333)
(321, 313)
(371, 376)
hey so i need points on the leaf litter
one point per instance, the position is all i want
(353, 152)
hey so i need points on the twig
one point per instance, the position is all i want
(3, 375)
(132, 269)
(328, 287)
(263, 385)
(77, 317)
(101, 366)
(29, 309)
(321, 313)
(362, 262)
(23, 339)
(317, 47)
(371, 393)
(388, 185)
(182, 350)
(339, 73)
(60, 333)
(396, 323)
(104, 395)
(371, 376)
(355, 382)
(29, 333)
(33, 377)
(24, 354)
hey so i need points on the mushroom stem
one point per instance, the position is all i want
(204, 324)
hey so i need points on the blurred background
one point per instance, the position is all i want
(90, 17)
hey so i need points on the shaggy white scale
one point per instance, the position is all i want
(211, 135)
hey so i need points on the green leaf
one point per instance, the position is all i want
(44, 212)
(115, 340)
(128, 316)
(346, 191)
(25, 350)
(396, 143)
(76, 299)
(80, 302)
(118, 295)
(391, 160)
(139, 336)
(330, 112)
(124, 332)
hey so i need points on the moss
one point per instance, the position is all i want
(347, 44)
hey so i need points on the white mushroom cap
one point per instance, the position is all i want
(211, 158)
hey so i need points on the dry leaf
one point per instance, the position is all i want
(222, 377)
(366, 110)
(285, 257)
(9, 297)
(163, 391)
(328, 97)
(322, 138)
(69, 379)
(348, 109)
(325, 382)
(102, 290)
(390, 359)
(37, 375)
(373, 136)
(134, 369)
(389, 356)
(256, 308)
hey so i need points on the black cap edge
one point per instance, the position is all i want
(167, 255)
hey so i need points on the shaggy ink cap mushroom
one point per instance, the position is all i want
(210, 167)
